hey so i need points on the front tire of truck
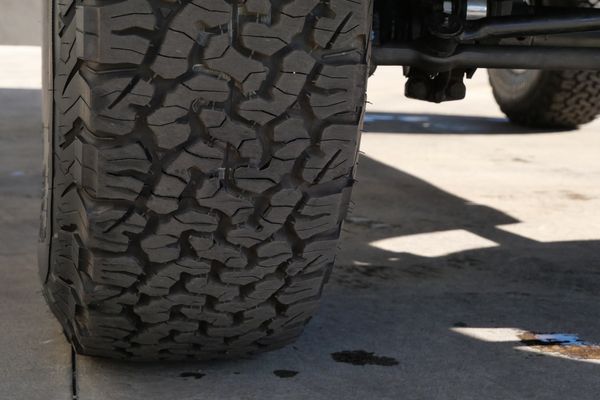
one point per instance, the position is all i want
(200, 158)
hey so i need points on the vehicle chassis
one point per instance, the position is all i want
(440, 42)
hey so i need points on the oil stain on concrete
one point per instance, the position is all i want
(195, 375)
(361, 358)
(285, 373)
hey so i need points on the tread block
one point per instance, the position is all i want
(102, 31)
(267, 39)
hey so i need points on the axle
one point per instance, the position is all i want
(440, 42)
(499, 57)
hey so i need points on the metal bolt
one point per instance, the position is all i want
(448, 7)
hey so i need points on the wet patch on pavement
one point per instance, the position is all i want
(285, 373)
(366, 276)
(562, 344)
(366, 222)
(361, 357)
(576, 196)
(464, 262)
(195, 375)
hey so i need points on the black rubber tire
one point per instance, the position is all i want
(201, 158)
(549, 99)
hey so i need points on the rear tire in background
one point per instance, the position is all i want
(200, 158)
(549, 99)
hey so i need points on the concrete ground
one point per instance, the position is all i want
(466, 232)
(21, 22)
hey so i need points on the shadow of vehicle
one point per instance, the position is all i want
(413, 312)
(421, 316)
(399, 123)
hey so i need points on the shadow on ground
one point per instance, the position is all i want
(401, 307)
(35, 360)
(399, 123)
(405, 307)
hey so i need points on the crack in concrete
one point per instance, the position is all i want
(74, 389)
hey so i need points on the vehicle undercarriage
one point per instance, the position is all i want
(440, 42)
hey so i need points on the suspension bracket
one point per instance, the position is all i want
(444, 41)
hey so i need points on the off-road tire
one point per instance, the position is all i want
(549, 99)
(201, 155)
